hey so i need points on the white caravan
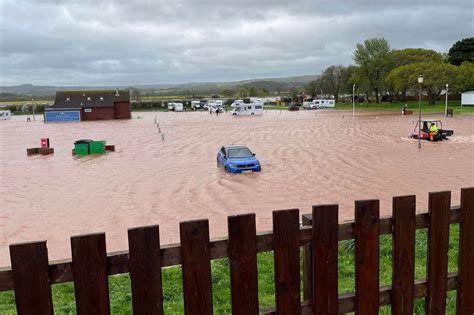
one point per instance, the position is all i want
(241, 109)
(319, 104)
(5, 115)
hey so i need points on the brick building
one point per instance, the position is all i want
(94, 105)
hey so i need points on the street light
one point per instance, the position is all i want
(353, 100)
(446, 107)
(420, 81)
(33, 106)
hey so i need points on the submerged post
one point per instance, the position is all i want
(353, 100)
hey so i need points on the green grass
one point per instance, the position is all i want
(425, 107)
(120, 296)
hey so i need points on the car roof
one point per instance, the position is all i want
(234, 146)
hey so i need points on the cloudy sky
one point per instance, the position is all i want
(127, 42)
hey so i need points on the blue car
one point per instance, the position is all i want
(238, 159)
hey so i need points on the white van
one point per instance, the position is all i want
(242, 109)
(5, 115)
(170, 106)
(178, 107)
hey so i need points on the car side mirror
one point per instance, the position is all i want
(225, 157)
(253, 154)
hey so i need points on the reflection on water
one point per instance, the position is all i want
(308, 158)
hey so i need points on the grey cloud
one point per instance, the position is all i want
(144, 42)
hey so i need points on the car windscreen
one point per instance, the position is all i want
(238, 153)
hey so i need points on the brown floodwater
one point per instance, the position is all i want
(308, 158)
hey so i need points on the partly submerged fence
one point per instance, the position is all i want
(31, 276)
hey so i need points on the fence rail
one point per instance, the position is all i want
(31, 277)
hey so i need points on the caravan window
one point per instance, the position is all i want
(249, 107)
(258, 107)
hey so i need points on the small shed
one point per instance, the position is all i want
(467, 98)
(94, 105)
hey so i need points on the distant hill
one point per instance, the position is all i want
(270, 84)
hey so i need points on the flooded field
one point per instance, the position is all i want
(308, 158)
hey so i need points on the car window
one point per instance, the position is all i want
(239, 153)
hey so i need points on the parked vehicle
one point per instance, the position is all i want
(293, 107)
(237, 159)
(195, 104)
(171, 106)
(5, 114)
(310, 105)
(216, 108)
(325, 103)
(241, 109)
(178, 107)
(425, 134)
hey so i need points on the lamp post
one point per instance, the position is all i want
(353, 100)
(33, 106)
(420, 81)
(446, 107)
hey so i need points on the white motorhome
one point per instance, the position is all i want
(178, 107)
(319, 104)
(241, 109)
(5, 115)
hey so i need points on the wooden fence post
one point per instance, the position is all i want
(367, 217)
(307, 262)
(403, 254)
(325, 256)
(243, 264)
(145, 270)
(31, 278)
(465, 296)
(286, 248)
(437, 262)
(196, 261)
(89, 267)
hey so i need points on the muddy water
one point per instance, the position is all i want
(308, 158)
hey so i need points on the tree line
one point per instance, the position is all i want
(380, 70)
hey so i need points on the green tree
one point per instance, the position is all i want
(332, 79)
(396, 80)
(312, 88)
(435, 76)
(461, 51)
(374, 63)
(466, 78)
(403, 57)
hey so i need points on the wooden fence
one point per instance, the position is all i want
(31, 276)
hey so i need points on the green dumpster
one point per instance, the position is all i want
(81, 148)
(97, 147)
